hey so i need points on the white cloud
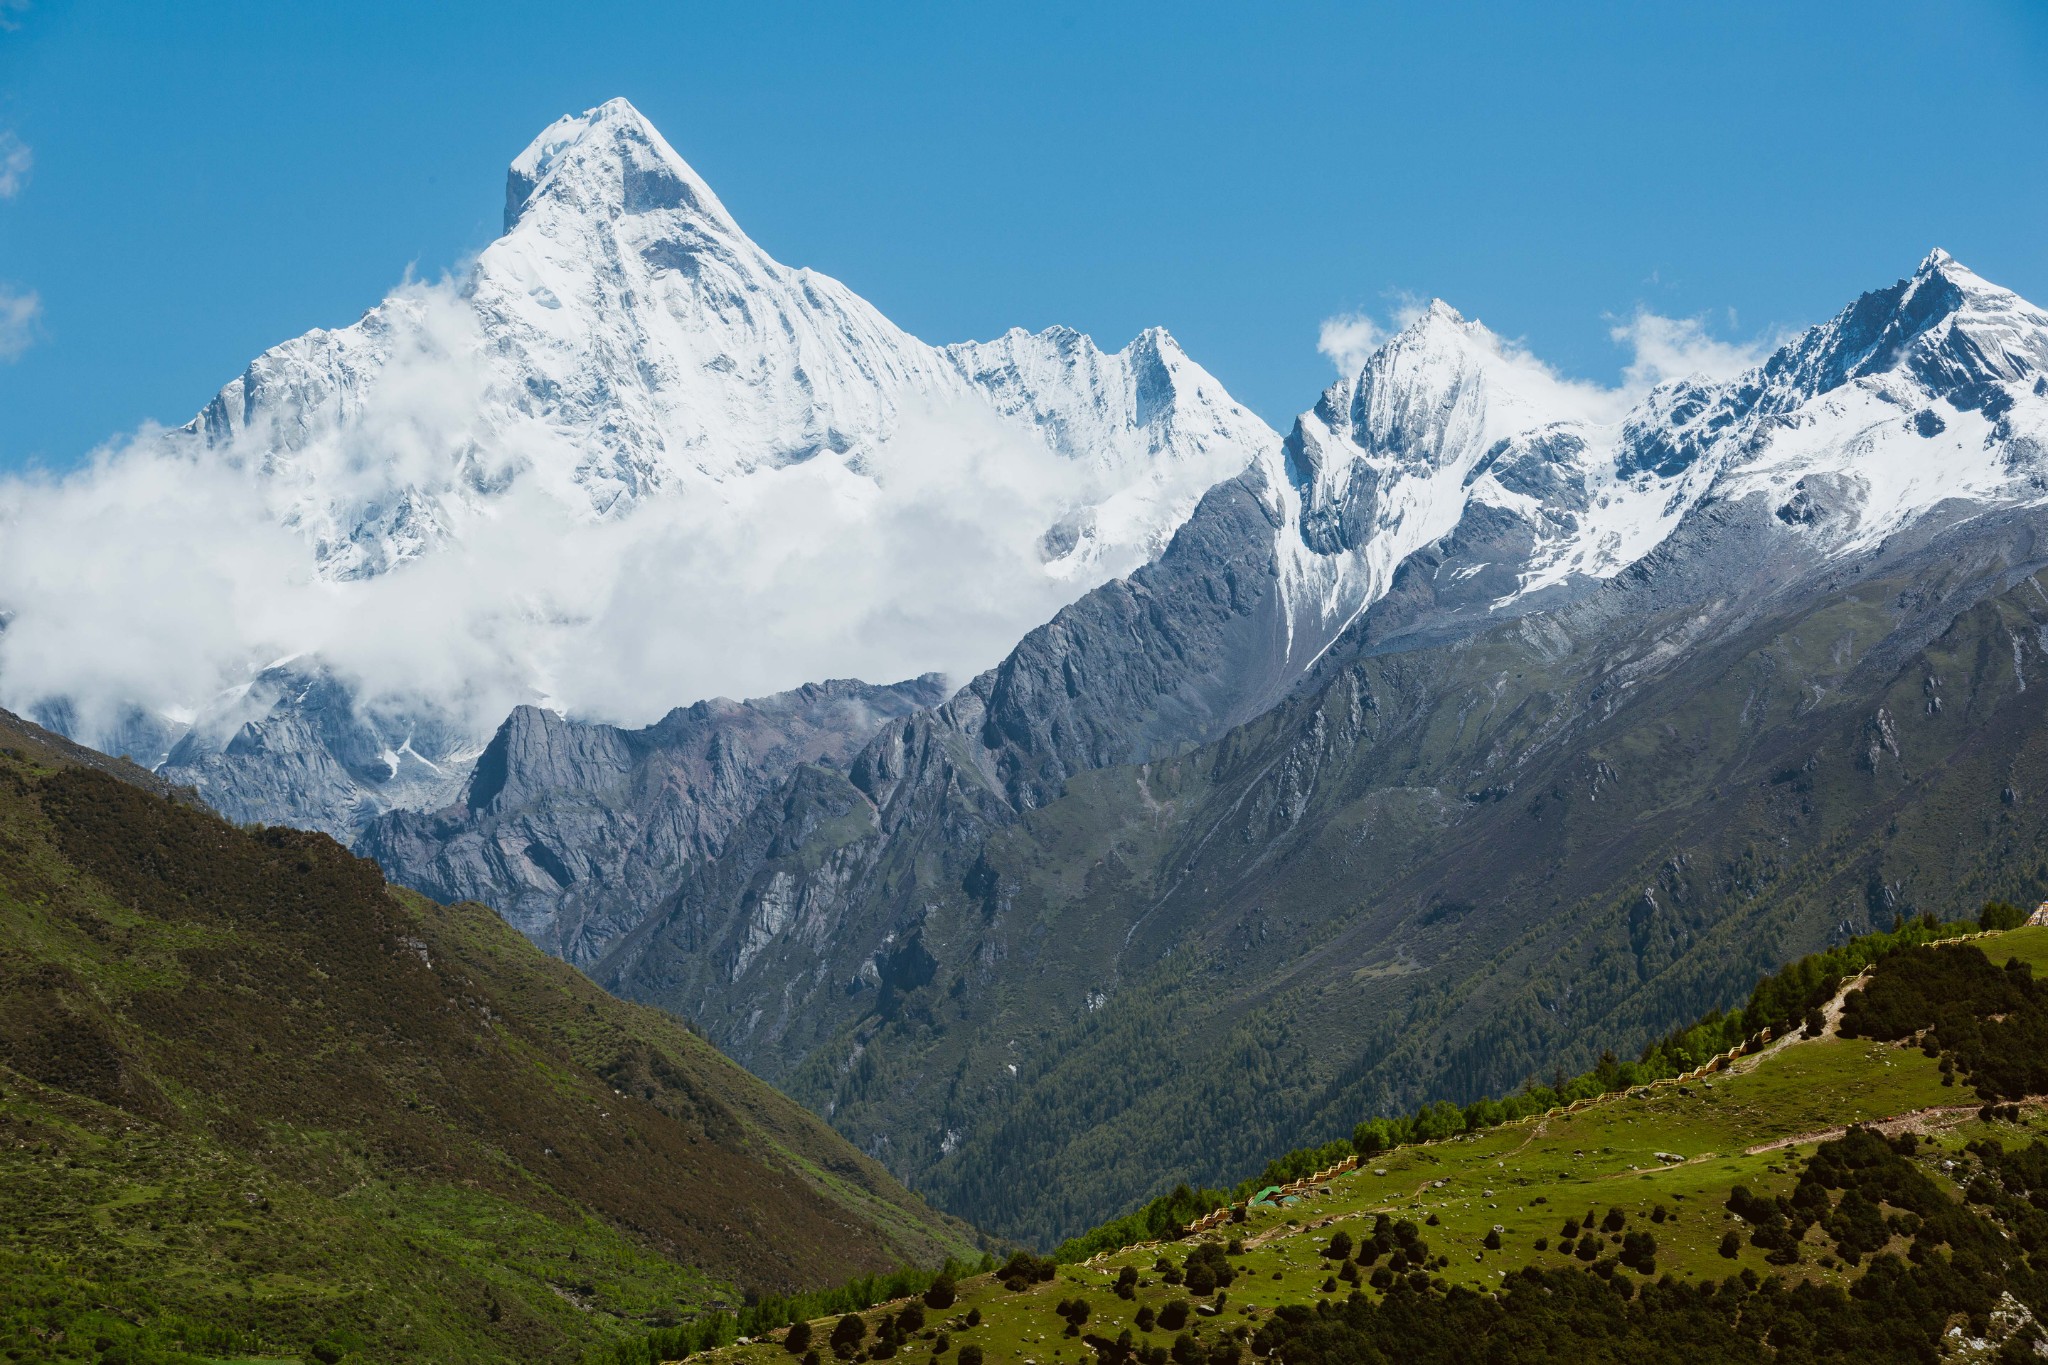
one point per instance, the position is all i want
(18, 315)
(1681, 348)
(15, 161)
(166, 574)
(1348, 339)
(1660, 349)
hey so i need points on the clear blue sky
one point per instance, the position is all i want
(211, 178)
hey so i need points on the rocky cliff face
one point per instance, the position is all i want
(298, 746)
(1431, 681)
(572, 830)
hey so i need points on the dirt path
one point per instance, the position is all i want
(1919, 1121)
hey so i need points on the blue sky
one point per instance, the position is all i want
(184, 185)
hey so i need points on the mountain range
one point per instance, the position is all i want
(699, 435)
(1289, 854)
(1483, 714)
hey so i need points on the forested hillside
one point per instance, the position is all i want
(254, 1101)
(1865, 1186)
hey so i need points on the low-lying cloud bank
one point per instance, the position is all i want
(166, 573)
(163, 576)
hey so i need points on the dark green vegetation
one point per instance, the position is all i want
(1778, 1005)
(1989, 1025)
(1829, 1199)
(709, 1331)
(253, 1101)
(1453, 860)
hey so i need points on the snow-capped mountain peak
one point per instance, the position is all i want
(625, 339)
(1945, 327)
(609, 159)
(1390, 451)
(1932, 390)
(629, 460)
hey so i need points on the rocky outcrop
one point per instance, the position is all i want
(573, 831)
(1359, 788)
(298, 746)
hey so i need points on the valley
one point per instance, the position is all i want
(252, 1100)
(417, 952)
(1629, 1197)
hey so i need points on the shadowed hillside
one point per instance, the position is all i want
(245, 1083)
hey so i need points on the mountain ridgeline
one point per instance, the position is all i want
(256, 1101)
(1281, 869)
(1481, 716)
(567, 829)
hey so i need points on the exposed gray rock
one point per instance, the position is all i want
(297, 747)
(1202, 805)
(573, 831)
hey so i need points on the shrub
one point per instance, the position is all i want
(2000, 915)
(1023, 1270)
(970, 1355)
(1208, 1269)
(798, 1339)
(848, 1334)
(1174, 1316)
(942, 1292)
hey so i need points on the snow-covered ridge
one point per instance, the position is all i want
(626, 461)
(1934, 390)
(625, 340)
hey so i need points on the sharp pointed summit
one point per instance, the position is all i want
(626, 357)
(608, 159)
(1947, 326)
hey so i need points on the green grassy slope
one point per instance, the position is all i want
(1454, 901)
(254, 1102)
(1665, 1161)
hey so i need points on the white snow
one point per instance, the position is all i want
(628, 460)
(1848, 418)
